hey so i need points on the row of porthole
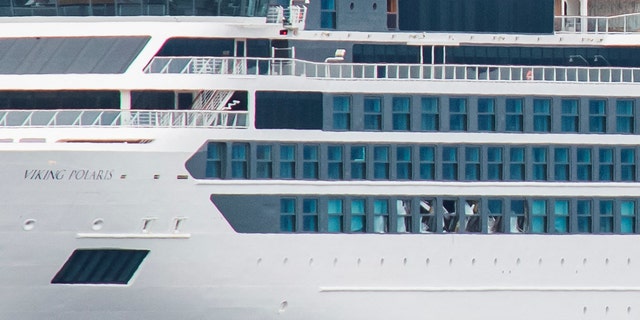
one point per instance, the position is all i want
(374, 6)
(607, 309)
(451, 261)
(98, 223)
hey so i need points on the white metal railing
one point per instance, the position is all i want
(390, 71)
(123, 118)
(626, 23)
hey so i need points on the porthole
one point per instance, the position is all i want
(97, 224)
(351, 6)
(375, 6)
(29, 224)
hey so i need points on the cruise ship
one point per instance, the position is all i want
(322, 159)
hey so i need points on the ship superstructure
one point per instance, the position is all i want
(318, 160)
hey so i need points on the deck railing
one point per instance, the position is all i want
(123, 118)
(626, 23)
(389, 71)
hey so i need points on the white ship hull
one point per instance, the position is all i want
(206, 270)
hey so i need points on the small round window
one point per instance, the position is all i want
(375, 6)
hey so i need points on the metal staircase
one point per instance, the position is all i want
(212, 100)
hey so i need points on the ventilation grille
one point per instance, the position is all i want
(100, 266)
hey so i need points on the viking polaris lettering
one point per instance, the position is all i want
(46, 174)
(91, 175)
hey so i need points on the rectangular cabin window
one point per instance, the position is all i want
(310, 164)
(569, 118)
(380, 162)
(401, 109)
(486, 114)
(381, 215)
(358, 162)
(624, 116)
(538, 216)
(494, 164)
(358, 216)
(605, 166)
(430, 117)
(264, 162)
(541, 115)
(597, 116)
(561, 216)
(584, 213)
(561, 164)
(427, 216)
(215, 157)
(584, 166)
(516, 164)
(310, 215)
(518, 216)
(342, 113)
(335, 165)
(627, 164)
(392, 14)
(514, 118)
(450, 163)
(472, 216)
(450, 215)
(627, 216)
(539, 164)
(472, 163)
(287, 161)
(239, 160)
(373, 113)
(335, 215)
(495, 216)
(403, 215)
(288, 215)
(328, 14)
(403, 163)
(427, 163)
(606, 216)
(458, 114)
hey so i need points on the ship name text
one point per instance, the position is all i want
(64, 174)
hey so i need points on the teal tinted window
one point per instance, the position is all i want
(334, 162)
(342, 113)
(287, 161)
(494, 163)
(597, 116)
(627, 164)
(403, 163)
(561, 164)
(569, 116)
(358, 162)
(430, 119)
(624, 116)
(335, 215)
(486, 115)
(358, 222)
(239, 161)
(541, 115)
(457, 114)
(287, 215)
(427, 163)
(516, 164)
(401, 114)
(373, 113)
(449, 163)
(514, 115)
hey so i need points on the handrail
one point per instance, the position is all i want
(124, 118)
(394, 71)
(625, 23)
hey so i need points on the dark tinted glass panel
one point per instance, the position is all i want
(288, 110)
(100, 266)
